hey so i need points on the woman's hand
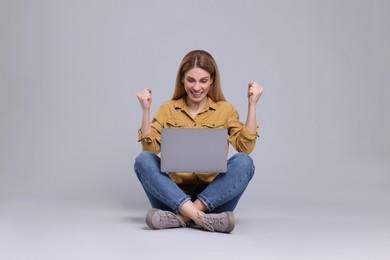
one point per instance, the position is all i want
(145, 98)
(254, 92)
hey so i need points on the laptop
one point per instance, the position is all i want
(194, 150)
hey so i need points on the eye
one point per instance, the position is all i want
(204, 81)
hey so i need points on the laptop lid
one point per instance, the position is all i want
(194, 150)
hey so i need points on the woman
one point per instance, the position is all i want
(208, 200)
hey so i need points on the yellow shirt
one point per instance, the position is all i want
(176, 114)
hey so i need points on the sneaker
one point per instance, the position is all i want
(160, 219)
(222, 222)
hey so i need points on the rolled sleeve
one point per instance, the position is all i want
(149, 142)
(242, 139)
(249, 135)
(143, 138)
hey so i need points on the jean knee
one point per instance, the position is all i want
(244, 159)
(144, 160)
(245, 163)
(143, 156)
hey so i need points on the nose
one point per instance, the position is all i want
(197, 86)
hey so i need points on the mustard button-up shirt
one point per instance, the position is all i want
(176, 114)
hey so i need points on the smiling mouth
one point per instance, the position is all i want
(196, 94)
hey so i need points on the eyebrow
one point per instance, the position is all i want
(207, 77)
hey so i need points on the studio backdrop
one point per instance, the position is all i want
(70, 71)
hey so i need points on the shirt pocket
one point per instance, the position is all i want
(174, 123)
(213, 124)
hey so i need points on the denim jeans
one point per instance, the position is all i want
(222, 194)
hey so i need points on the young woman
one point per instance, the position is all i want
(208, 200)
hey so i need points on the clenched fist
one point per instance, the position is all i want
(254, 92)
(145, 98)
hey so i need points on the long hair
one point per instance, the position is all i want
(203, 60)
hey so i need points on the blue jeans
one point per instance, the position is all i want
(222, 194)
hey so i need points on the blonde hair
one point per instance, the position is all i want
(203, 60)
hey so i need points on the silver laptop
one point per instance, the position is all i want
(194, 150)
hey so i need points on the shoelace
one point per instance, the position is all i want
(210, 222)
(167, 217)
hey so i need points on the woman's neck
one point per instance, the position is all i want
(195, 107)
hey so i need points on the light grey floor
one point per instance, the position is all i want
(53, 230)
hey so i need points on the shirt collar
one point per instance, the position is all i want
(181, 104)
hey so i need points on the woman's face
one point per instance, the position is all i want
(197, 83)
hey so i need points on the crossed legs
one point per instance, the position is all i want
(221, 195)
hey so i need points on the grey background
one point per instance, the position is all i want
(69, 73)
